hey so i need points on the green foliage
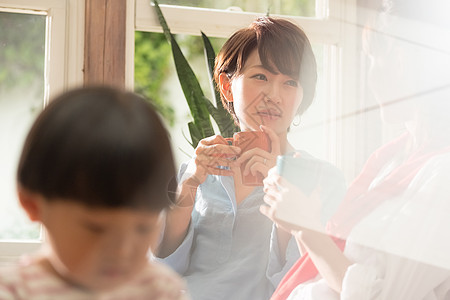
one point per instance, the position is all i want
(151, 68)
(220, 115)
(22, 50)
(200, 107)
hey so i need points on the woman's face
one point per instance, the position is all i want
(261, 97)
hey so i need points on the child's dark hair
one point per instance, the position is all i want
(101, 147)
(281, 44)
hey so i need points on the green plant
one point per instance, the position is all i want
(201, 108)
(22, 49)
(151, 69)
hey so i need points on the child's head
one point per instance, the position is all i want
(99, 147)
(94, 171)
(282, 47)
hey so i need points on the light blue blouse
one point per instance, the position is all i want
(230, 251)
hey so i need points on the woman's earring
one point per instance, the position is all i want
(297, 120)
(229, 106)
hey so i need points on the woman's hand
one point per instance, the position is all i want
(259, 160)
(213, 156)
(282, 196)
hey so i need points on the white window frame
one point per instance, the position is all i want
(63, 69)
(222, 23)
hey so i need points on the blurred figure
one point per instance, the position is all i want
(393, 225)
(94, 171)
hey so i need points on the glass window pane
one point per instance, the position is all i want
(311, 134)
(305, 8)
(156, 78)
(22, 49)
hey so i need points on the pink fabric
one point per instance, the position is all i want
(359, 201)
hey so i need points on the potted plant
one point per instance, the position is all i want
(201, 108)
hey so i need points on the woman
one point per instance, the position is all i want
(393, 222)
(215, 236)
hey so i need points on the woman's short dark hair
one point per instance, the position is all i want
(281, 44)
(101, 147)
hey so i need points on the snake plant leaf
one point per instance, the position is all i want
(189, 83)
(162, 21)
(223, 120)
(196, 135)
(210, 56)
(192, 91)
(219, 113)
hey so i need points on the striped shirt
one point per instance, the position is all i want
(31, 281)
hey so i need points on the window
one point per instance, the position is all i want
(35, 67)
(22, 98)
(321, 21)
(304, 8)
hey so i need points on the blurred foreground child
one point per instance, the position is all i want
(94, 171)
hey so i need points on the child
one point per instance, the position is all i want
(266, 74)
(94, 171)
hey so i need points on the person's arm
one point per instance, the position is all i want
(284, 252)
(326, 255)
(177, 255)
(211, 155)
(282, 238)
(178, 218)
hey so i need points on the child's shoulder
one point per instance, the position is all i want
(18, 280)
(11, 281)
(29, 279)
(20, 272)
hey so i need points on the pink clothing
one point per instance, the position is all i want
(361, 199)
(31, 281)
